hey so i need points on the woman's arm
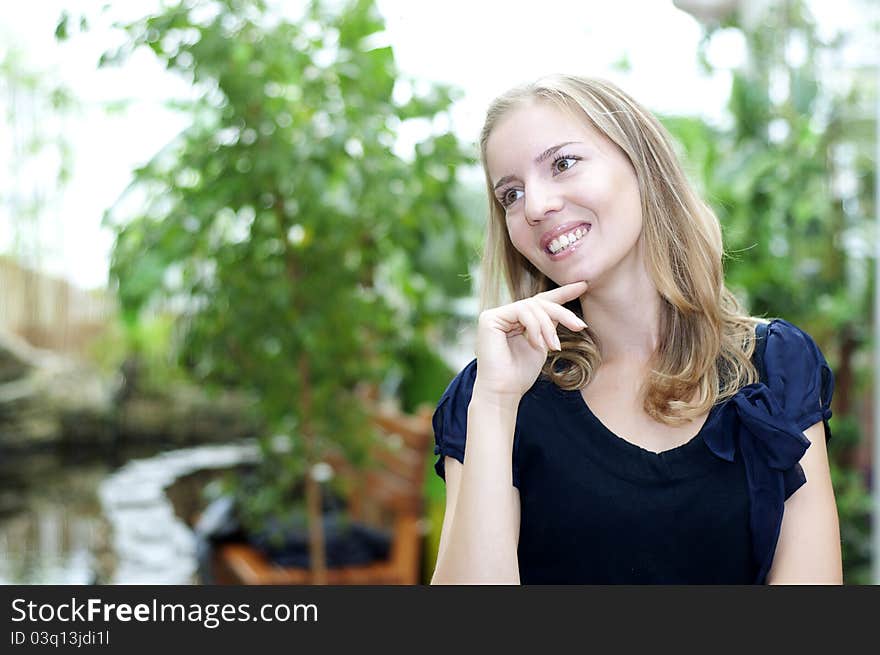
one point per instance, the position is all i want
(808, 550)
(481, 527)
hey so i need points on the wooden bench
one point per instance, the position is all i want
(387, 494)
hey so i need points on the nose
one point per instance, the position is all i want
(541, 200)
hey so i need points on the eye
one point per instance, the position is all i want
(510, 196)
(564, 162)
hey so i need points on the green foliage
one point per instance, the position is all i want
(149, 341)
(798, 239)
(282, 228)
(429, 375)
(854, 509)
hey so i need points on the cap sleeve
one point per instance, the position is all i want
(450, 417)
(798, 375)
(450, 420)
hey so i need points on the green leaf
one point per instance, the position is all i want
(61, 28)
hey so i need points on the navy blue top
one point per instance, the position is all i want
(597, 509)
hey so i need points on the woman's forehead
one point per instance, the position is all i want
(528, 130)
(536, 120)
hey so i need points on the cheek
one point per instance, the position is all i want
(521, 240)
(633, 204)
(630, 193)
(515, 233)
(621, 195)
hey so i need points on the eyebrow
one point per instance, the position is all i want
(544, 155)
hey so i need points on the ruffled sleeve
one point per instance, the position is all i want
(794, 393)
(450, 417)
(798, 375)
(450, 420)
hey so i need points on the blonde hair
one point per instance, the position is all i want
(708, 340)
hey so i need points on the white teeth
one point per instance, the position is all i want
(566, 240)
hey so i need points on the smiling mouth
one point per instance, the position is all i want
(565, 241)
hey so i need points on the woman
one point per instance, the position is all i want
(624, 421)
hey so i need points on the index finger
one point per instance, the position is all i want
(566, 292)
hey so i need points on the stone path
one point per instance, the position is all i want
(152, 545)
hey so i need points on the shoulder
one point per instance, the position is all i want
(461, 387)
(797, 372)
(785, 334)
(451, 416)
(790, 350)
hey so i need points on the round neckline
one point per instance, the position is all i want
(666, 453)
(631, 461)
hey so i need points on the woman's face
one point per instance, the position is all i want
(570, 195)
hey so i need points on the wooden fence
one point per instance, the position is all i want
(49, 312)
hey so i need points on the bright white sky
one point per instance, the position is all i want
(483, 47)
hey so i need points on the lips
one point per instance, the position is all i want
(559, 230)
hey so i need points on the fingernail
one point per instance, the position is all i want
(556, 343)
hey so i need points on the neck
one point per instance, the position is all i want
(624, 313)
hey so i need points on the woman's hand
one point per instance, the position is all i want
(513, 340)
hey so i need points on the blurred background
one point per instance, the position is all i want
(239, 244)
